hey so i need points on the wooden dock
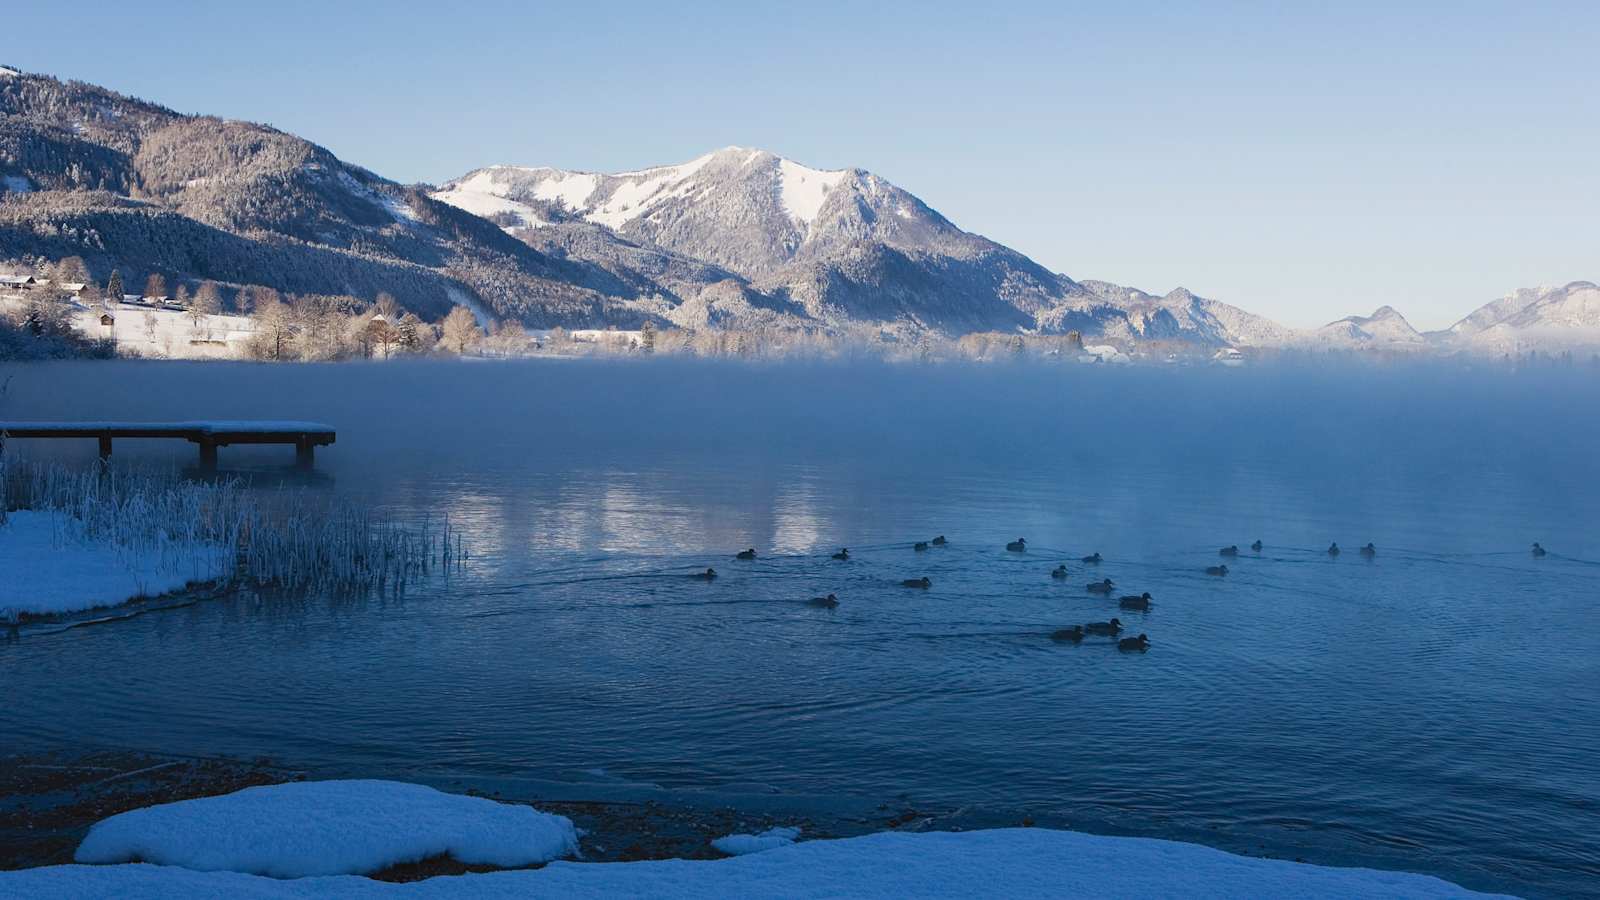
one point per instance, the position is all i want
(304, 436)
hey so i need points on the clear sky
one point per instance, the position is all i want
(1300, 162)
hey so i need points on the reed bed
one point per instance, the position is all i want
(230, 536)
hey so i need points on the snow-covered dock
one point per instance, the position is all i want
(209, 435)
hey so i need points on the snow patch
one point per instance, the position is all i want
(569, 188)
(52, 567)
(1024, 862)
(313, 828)
(803, 190)
(8, 72)
(742, 844)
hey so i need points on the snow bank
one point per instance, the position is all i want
(1014, 862)
(50, 567)
(771, 839)
(329, 828)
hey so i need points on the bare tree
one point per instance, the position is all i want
(460, 330)
(155, 285)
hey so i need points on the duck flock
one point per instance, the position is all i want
(1112, 628)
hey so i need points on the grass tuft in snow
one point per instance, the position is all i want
(160, 527)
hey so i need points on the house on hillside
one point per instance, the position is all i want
(18, 282)
(72, 287)
(1228, 356)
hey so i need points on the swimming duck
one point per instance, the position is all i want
(923, 583)
(920, 546)
(746, 554)
(1333, 549)
(1112, 627)
(1059, 571)
(1256, 546)
(1141, 602)
(1072, 635)
(844, 553)
(1093, 559)
(940, 541)
(1369, 550)
(828, 602)
(1537, 550)
(1229, 551)
(1139, 644)
(1099, 587)
(1216, 570)
(707, 575)
(1017, 546)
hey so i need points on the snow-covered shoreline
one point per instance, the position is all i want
(1002, 862)
(53, 567)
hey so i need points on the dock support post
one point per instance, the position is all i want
(208, 456)
(305, 454)
(105, 447)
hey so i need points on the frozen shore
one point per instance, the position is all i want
(213, 844)
(52, 567)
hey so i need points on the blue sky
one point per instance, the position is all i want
(1302, 163)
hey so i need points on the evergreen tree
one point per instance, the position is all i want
(409, 335)
(114, 287)
(647, 337)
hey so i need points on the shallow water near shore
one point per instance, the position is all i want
(1432, 709)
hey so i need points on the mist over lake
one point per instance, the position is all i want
(1433, 708)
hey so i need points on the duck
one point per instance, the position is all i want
(1369, 550)
(920, 546)
(1141, 602)
(940, 541)
(746, 554)
(1216, 570)
(1059, 571)
(1112, 627)
(1537, 550)
(1333, 549)
(1068, 635)
(1134, 644)
(923, 583)
(1229, 551)
(1099, 587)
(1019, 545)
(828, 602)
(1093, 558)
(1256, 546)
(707, 575)
(844, 553)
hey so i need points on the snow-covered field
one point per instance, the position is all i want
(298, 830)
(168, 333)
(157, 332)
(51, 567)
(1024, 862)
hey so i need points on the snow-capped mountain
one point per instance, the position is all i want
(735, 238)
(838, 246)
(1385, 329)
(1545, 317)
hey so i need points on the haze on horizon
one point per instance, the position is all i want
(1305, 165)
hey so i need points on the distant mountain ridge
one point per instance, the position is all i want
(735, 238)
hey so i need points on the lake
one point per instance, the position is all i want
(1435, 708)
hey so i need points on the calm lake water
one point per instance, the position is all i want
(1434, 709)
